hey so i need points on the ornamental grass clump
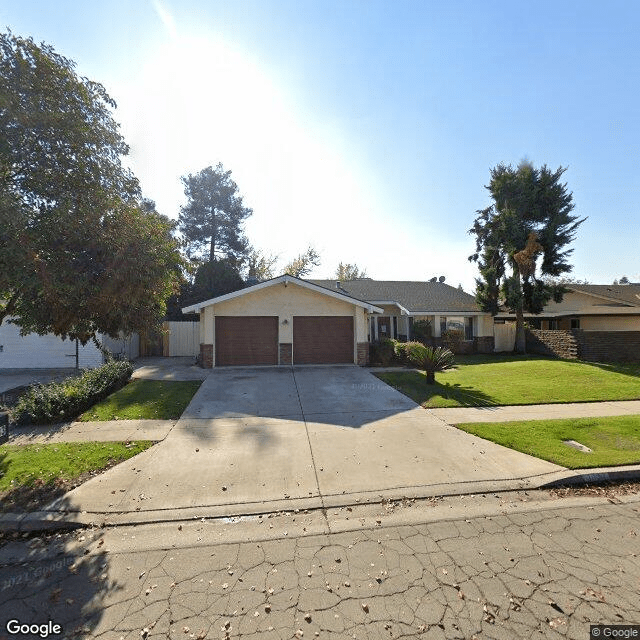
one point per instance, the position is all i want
(431, 359)
(59, 401)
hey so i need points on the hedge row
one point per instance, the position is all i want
(59, 401)
(388, 351)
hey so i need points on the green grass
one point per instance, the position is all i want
(514, 380)
(614, 440)
(144, 400)
(42, 464)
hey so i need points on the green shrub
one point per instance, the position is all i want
(399, 351)
(422, 330)
(430, 359)
(59, 401)
(382, 351)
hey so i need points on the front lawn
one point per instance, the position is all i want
(35, 474)
(613, 440)
(145, 400)
(513, 380)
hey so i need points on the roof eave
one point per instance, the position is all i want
(286, 279)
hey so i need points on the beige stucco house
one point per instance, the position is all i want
(591, 307)
(288, 320)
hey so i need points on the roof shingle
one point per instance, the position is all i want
(430, 297)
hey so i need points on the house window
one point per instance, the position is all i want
(553, 324)
(447, 323)
(468, 328)
(575, 323)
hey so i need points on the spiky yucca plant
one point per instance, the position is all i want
(431, 359)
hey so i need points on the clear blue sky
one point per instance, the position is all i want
(368, 128)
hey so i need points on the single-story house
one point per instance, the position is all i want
(288, 320)
(591, 307)
(34, 351)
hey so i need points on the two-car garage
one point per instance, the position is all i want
(253, 340)
(283, 321)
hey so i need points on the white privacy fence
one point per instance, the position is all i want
(505, 336)
(181, 339)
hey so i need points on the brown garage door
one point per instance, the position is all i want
(246, 340)
(322, 339)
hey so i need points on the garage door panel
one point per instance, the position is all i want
(323, 340)
(246, 340)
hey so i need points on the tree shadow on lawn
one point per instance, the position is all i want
(465, 396)
(413, 384)
(631, 369)
(52, 578)
(496, 358)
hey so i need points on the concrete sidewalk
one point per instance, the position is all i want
(107, 431)
(458, 415)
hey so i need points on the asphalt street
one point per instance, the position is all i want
(516, 565)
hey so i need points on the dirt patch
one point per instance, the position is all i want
(609, 490)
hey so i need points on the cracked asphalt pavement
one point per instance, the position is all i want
(516, 565)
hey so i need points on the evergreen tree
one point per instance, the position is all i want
(525, 232)
(212, 220)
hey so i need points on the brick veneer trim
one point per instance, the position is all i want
(363, 354)
(285, 353)
(206, 356)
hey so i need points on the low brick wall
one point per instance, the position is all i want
(608, 346)
(484, 344)
(363, 354)
(592, 346)
(559, 343)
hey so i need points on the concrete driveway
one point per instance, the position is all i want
(263, 439)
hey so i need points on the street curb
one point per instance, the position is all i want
(46, 521)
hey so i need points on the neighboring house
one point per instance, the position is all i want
(288, 320)
(50, 352)
(591, 307)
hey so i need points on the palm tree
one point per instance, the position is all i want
(431, 359)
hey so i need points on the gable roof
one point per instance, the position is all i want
(412, 297)
(307, 284)
(628, 294)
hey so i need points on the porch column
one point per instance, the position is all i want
(436, 328)
(406, 328)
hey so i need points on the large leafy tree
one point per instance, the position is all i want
(260, 266)
(80, 252)
(303, 263)
(212, 220)
(206, 280)
(347, 271)
(521, 240)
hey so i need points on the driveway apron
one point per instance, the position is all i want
(255, 440)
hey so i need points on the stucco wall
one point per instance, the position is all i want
(484, 325)
(285, 302)
(610, 323)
